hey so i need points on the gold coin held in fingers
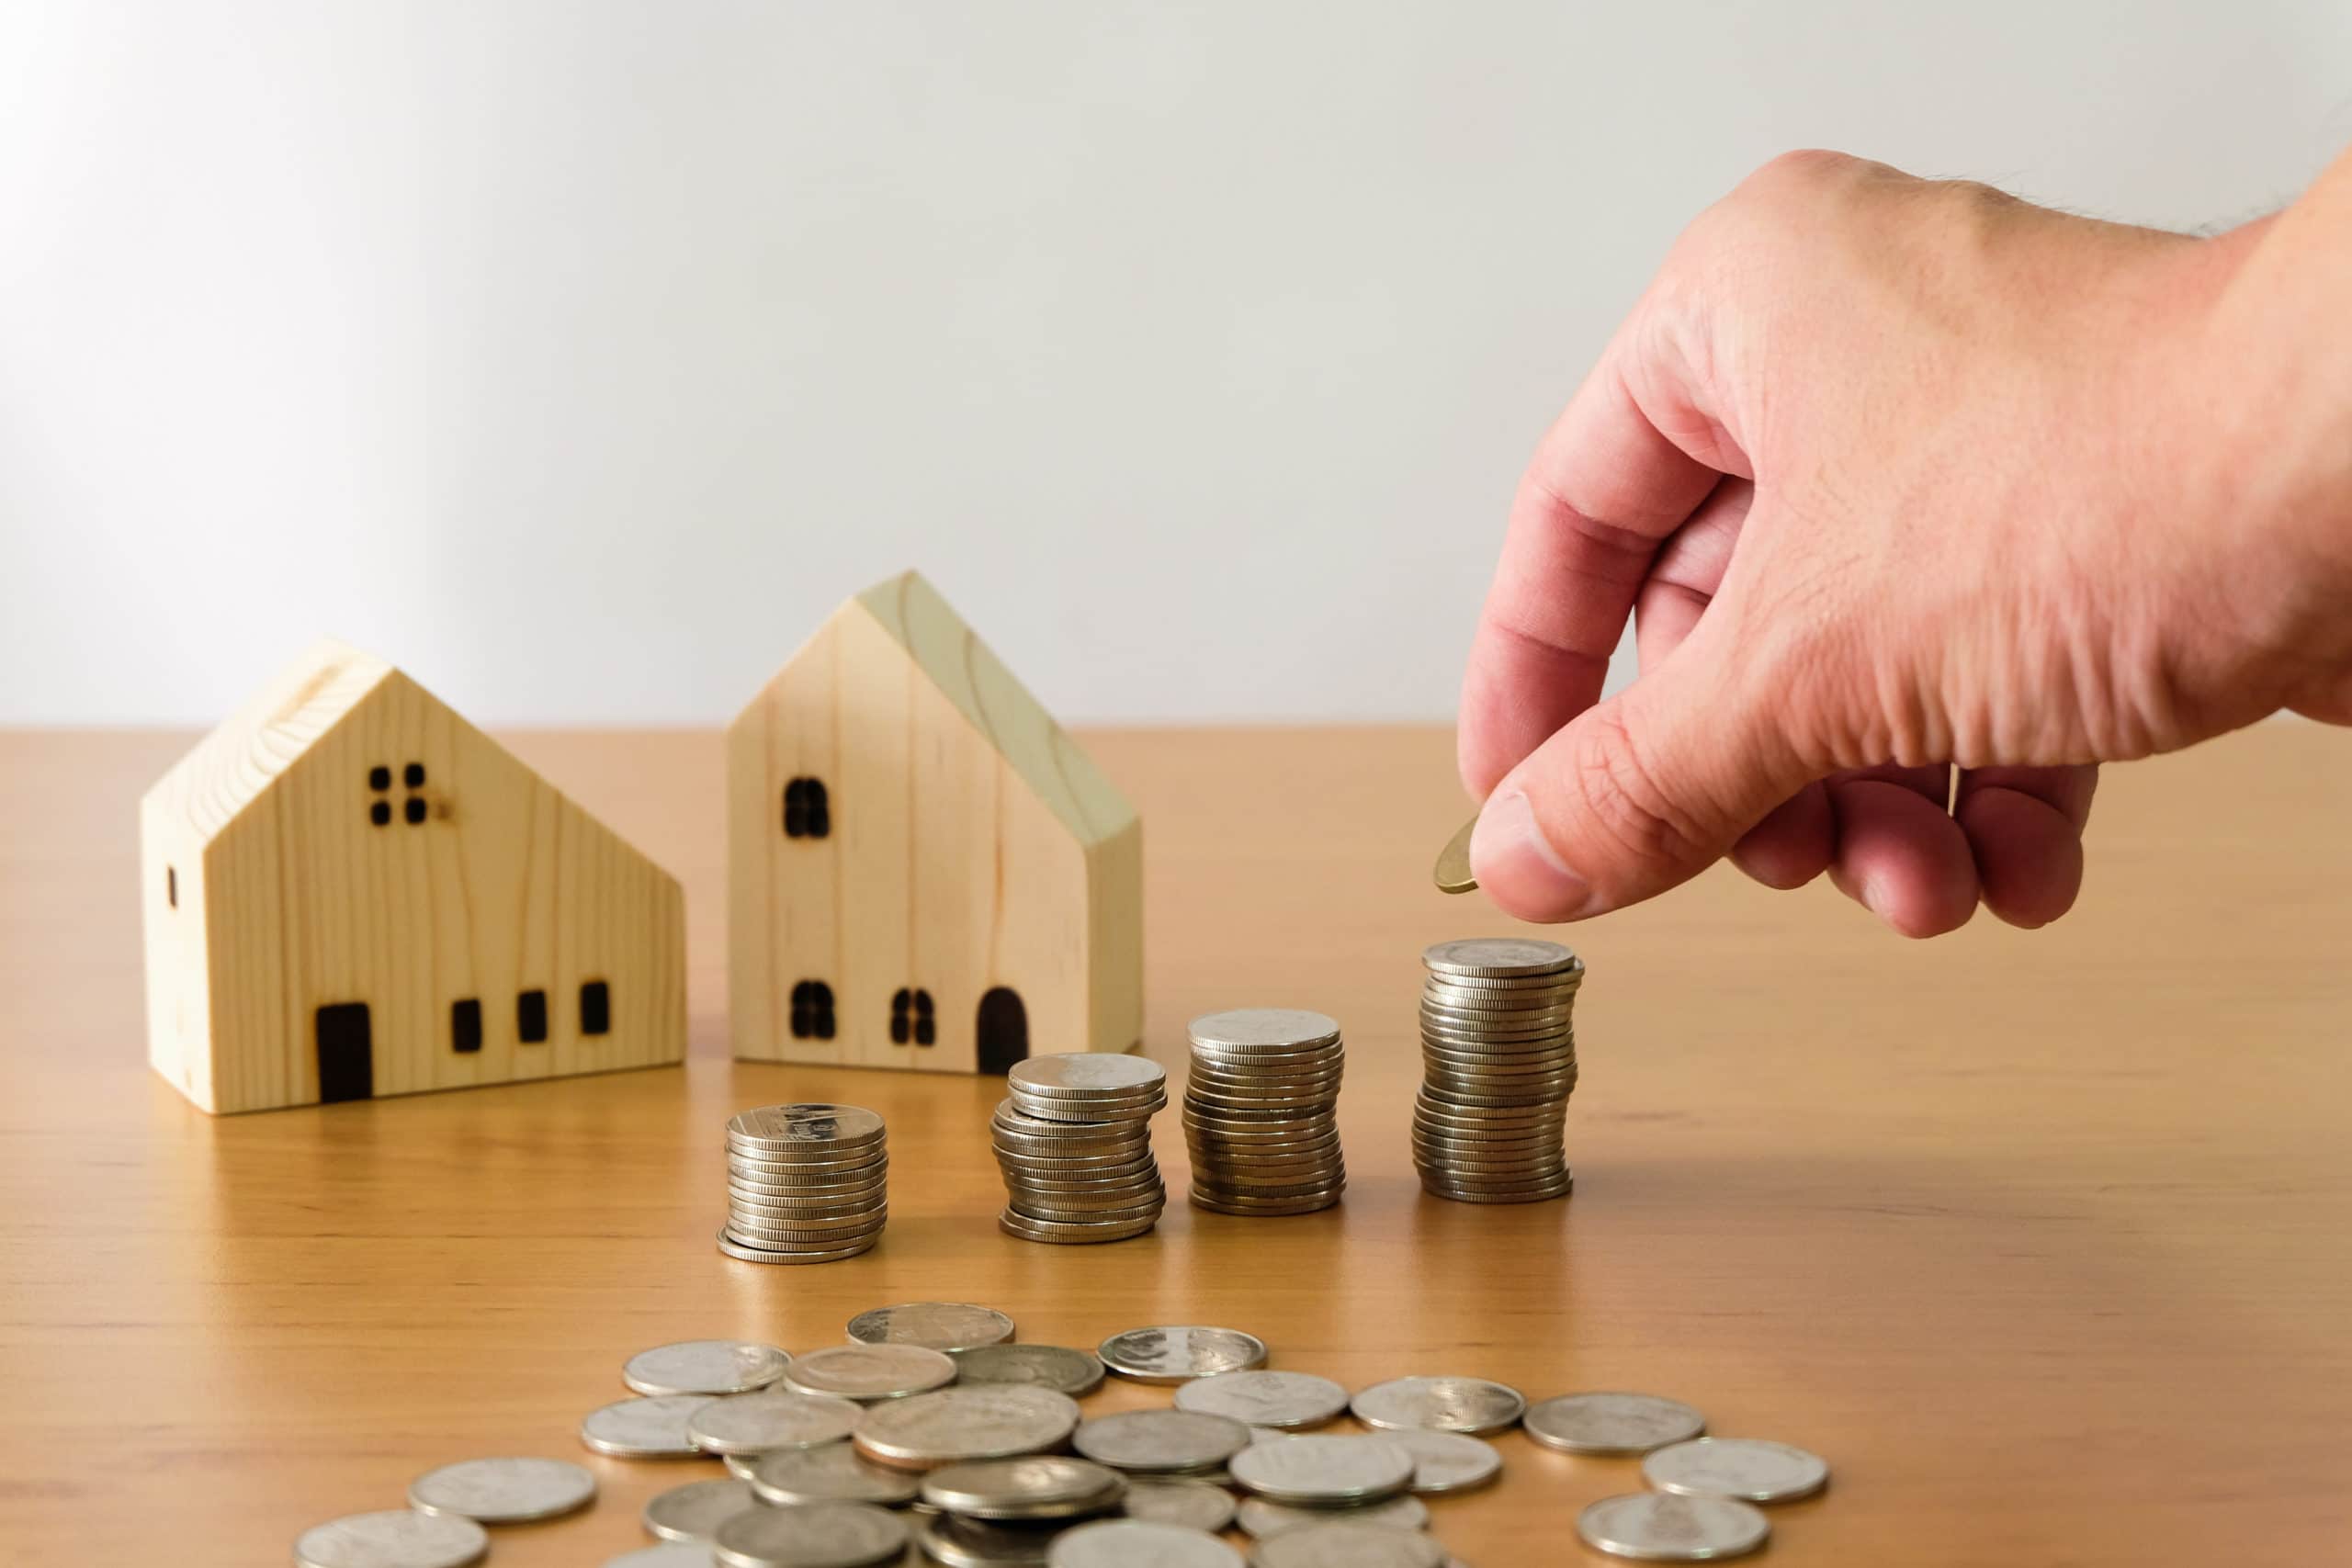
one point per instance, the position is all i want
(1452, 872)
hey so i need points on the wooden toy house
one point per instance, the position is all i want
(350, 891)
(923, 870)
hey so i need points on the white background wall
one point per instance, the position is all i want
(579, 354)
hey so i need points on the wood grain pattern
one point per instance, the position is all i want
(290, 863)
(972, 846)
(2041, 1238)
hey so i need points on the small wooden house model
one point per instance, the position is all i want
(923, 870)
(350, 891)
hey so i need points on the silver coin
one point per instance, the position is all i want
(797, 1126)
(1261, 1398)
(1073, 1372)
(1612, 1423)
(981, 1543)
(1087, 1072)
(1661, 1528)
(1490, 957)
(834, 1474)
(396, 1537)
(772, 1418)
(1747, 1468)
(1139, 1543)
(747, 1253)
(1254, 1029)
(1262, 1516)
(1347, 1544)
(1030, 1487)
(868, 1372)
(816, 1535)
(695, 1511)
(703, 1366)
(1441, 1405)
(951, 1424)
(1328, 1470)
(669, 1554)
(504, 1491)
(1015, 1224)
(937, 1326)
(1161, 1442)
(1194, 1503)
(648, 1427)
(1179, 1353)
(1447, 1462)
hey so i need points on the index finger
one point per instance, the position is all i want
(1604, 490)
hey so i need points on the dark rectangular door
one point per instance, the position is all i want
(347, 1052)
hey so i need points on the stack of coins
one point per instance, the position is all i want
(805, 1184)
(1260, 1111)
(1498, 1061)
(1074, 1142)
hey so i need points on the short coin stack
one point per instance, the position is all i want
(805, 1183)
(1498, 1061)
(1260, 1111)
(1074, 1142)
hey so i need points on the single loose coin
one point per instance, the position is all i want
(871, 1371)
(669, 1554)
(652, 1427)
(980, 1543)
(396, 1537)
(818, 1535)
(1747, 1468)
(939, 1325)
(705, 1367)
(1661, 1528)
(1161, 1442)
(504, 1491)
(757, 1423)
(1324, 1470)
(1265, 1399)
(1194, 1503)
(1498, 957)
(1073, 1372)
(1441, 1405)
(1347, 1544)
(1032, 1486)
(951, 1424)
(1180, 1353)
(1447, 1462)
(695, 1511)
(1139, 1543)
(830, 1474)
(1612, 1423)
(1451, 874)
(1262, 1516)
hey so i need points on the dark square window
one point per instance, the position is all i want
(381, 813)
(464, 1025)
(414, 810)
(531, 1017)
(595, 1007)
(414, 775)
(379, 777)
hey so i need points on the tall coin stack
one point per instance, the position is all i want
(805, 1183)
(1498, 1061)
(1074, 1142)
(1260, 1111)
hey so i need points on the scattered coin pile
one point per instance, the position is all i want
(1260, 1111)
(974, 1473)
(805, 1184)
(1498, 1061)
(1073, 1139)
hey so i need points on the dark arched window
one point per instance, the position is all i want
(807, 813)
(812, 1010)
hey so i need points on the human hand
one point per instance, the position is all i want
(1897, 475)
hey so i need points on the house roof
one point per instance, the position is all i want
(231, 767)
(997, 704)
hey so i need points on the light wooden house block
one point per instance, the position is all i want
(923, 870)
(350, 891)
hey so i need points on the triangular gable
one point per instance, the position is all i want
(230, 767)
(951, 655)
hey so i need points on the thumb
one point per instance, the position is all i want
(1641, 792)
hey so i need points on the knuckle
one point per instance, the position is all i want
(1621, 795)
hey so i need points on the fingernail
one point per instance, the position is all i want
(1518, 866)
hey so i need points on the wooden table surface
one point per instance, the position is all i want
(2043, 1239)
